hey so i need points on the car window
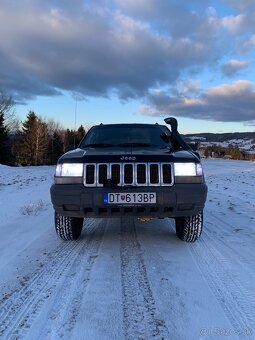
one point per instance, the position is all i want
(124, 135)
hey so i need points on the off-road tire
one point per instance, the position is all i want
(189, 228)
(68, 228)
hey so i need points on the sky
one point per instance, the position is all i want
(87, 62)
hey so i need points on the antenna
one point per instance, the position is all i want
(75, 112)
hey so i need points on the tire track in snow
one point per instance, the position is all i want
(13, 302)
(231, 295)
(230, 253)
(140, 315)
(21, 308)
(63, 314)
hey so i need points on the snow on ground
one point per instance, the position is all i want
(243, 144)
(126, 279)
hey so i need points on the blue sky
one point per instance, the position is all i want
(131, 61)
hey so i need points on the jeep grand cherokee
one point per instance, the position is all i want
(142, 170)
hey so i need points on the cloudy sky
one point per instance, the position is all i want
(131, 61)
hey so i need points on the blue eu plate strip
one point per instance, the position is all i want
(105, 197)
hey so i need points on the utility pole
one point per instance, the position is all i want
(75, 112)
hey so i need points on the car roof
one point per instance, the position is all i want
(129, 125)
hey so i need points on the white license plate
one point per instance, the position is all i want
(130, 198)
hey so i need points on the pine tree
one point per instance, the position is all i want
(72, 138)
(79, 135)
(42, 142)
(34, 141)
(28, 142)
(4, 150)
(56, 147)
(69, 140)
(16, 145)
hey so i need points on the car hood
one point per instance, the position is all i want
(127, 154)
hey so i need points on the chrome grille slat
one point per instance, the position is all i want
(150, 177)
(128, 173)
(141, 173)
(151, 174)
(166, 177)
(115, 172)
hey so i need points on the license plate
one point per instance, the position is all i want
(130, 198)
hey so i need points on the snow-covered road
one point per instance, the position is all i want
(127, 279)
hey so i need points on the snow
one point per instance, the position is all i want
(125, 278)
(245, 144)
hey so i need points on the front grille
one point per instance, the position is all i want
(141, 173)
(166, 170)
(128, 174)
(115, 173)
(90, 174)
(154, 174)
(102, 173)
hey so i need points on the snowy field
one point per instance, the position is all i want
(126, 279)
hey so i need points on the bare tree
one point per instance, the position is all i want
(56, 137)
(7, 110)
(41, 142)
(54, 126)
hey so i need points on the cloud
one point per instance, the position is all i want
(189, 86)
(233, 102)
(232, 67)
(101, 47)
(234, 24)
(248, 44)
(92, 49)
(244, 5)
(242, 21)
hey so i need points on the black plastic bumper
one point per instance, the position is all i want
(75, 200)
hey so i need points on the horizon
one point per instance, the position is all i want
(127, 62)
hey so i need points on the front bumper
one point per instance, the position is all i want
(75, 200)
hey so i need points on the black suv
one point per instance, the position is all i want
(142, 170)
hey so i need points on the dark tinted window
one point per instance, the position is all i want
(127, 135)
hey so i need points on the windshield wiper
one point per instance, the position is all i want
(134, 144)
(97, 145)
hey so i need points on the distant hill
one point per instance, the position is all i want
(222, 137)
(243, 140)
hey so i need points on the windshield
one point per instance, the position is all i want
(121, 135)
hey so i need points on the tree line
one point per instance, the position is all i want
(35, 141)
(231, 151)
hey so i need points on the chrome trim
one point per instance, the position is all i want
(110, 170)
(84, 175)
(172, 174)
(97, 173)
(121, 174)
(146, 174)
(149, 175)
(134, 179)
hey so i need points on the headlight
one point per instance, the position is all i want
(188, 173)
(69, 170)
(184, 169)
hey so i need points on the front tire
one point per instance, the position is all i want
(68, 228)
(189, 228)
